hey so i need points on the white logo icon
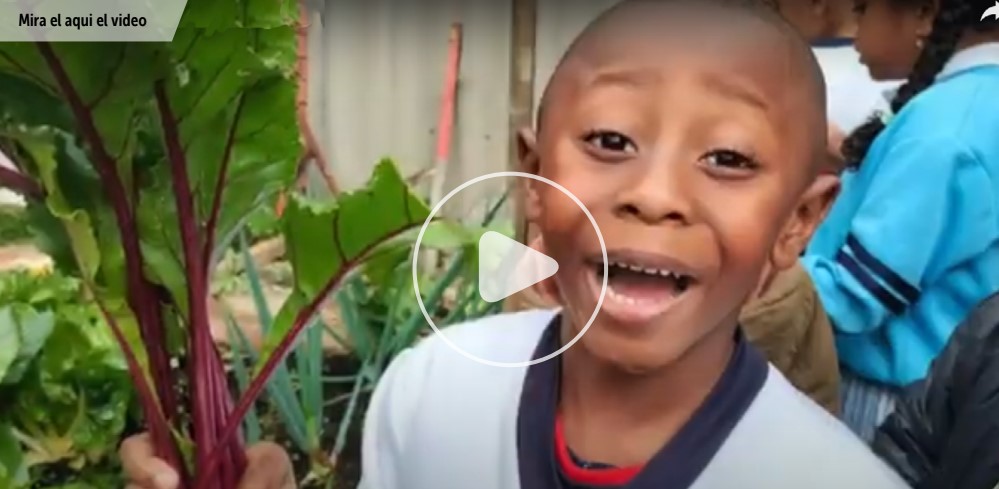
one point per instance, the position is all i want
(529, 268)
(507, 267)
(992, 11)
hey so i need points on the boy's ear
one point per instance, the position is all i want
(527, 150)
(811, 210)
(527, 155)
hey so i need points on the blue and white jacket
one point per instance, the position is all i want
(912, 243)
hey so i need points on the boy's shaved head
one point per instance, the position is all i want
(726, 21)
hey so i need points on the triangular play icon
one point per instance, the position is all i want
(507, 266)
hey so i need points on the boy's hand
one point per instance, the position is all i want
(268, 467)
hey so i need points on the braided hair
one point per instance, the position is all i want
(953, 19)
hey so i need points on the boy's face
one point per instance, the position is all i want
(692, 151)
(889, 34)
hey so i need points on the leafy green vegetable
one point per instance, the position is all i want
(23, 332)
(66, 396)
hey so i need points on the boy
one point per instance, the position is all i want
(693, 131)
(785, 319)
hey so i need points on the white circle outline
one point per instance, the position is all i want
(416, 281)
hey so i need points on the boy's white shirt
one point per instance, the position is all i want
(852, 96)
(439, 420)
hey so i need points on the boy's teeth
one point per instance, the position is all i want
(649, 271)
(621, 297)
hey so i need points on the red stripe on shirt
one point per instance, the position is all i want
(610, 476)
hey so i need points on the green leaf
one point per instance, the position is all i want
(76, 222)
(326, 241)
(321, 239)
(33, 329)
(26, 101)
(10, 340)
(362, 334)
(446, 235)
(13, 470)
(219, 14)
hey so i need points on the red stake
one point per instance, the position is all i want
(445, 122)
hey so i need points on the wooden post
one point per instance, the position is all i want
(523, 38)
(523, 49)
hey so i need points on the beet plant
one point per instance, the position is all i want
(142, 161)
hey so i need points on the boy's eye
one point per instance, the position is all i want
(610, 141)
(729, 161)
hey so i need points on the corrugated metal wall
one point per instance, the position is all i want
(377, 69)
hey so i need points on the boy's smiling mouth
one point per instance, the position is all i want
(640, 285)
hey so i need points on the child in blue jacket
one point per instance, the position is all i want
(910, 245)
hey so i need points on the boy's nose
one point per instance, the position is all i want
(654, 197)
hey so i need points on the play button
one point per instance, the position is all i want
(507, 267)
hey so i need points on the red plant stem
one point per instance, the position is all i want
(313, 152)
(140, 294)
(172, 455)
(220, 181)
(207, 375)
(302, 319)
(235, 457)
(20, 184)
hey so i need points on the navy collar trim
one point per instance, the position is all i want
(832, 42)
(678, 464)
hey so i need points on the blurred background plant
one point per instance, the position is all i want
(14, 225)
